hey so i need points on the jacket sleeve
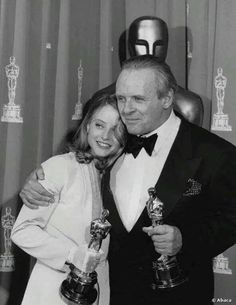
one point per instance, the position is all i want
(212, 228)
(29, 231)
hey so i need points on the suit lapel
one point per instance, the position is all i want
(114, 217)
(179, 167)
(109, 203)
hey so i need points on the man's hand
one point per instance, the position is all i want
(167, 240)
(33, 193)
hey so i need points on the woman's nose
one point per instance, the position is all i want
(105, 134)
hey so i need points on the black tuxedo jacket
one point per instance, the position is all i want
(198, 188)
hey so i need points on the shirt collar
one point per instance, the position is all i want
(166, 127)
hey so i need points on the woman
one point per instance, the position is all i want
(60, 233)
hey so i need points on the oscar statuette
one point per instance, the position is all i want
(168, 273)
(79, 288)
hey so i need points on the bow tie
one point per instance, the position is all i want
(135, 144)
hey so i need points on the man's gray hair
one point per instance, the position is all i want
(164, 77)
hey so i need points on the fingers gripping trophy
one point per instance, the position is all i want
(168, 273)
(79, 288)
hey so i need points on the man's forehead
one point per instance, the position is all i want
(136, 82)
(132, 76)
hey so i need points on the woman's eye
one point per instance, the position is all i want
(121, 99)
(98, 125)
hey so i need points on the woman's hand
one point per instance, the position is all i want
(86, 259)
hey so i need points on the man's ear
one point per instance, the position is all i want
(168, 99)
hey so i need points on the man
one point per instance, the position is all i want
(193, 173)
(149, 35)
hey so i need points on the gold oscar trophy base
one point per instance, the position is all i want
(168, 273)
(78, 288)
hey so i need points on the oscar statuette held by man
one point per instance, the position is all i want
(168, 273)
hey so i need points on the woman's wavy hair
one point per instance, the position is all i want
(80, 144)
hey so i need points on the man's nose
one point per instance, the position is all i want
(128, 106)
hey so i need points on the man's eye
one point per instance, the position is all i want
(138, 99)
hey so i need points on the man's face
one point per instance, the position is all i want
(140, 109)
(149, 37)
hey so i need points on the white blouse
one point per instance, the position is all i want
(52, 233)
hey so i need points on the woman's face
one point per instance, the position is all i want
(101, 132)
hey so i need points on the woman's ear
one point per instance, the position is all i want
(167, 100)
(87, 127)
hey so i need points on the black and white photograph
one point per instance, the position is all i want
(117, 152)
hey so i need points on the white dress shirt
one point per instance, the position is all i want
(132, 177)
